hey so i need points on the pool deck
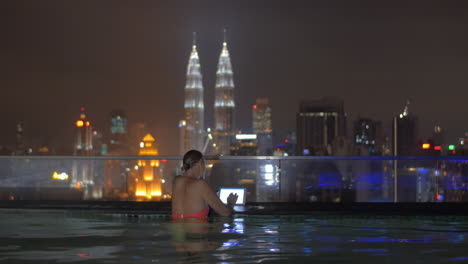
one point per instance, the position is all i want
(274, 208)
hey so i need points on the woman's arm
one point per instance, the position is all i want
(213, 200)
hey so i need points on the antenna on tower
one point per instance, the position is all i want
(194, 38)
(224, 35)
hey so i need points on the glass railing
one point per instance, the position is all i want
(266, 179)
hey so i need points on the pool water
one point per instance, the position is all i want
(39, 236)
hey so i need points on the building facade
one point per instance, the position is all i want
(319, 122)
(405, 133)
(368, 136)
(194, 105)
(223, 132)
(261, 119)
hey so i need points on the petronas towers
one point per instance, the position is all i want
(194, 106)
(193, 133)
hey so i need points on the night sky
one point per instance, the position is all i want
(132, 55)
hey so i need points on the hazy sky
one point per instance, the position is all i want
(58, 55)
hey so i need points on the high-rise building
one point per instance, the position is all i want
(368, 135)
(194, 106)
(261, 118)
(182, 131)
(118, 143)
(319, 122)
(83, 142)
(405, 132)
(224, 105)
(82, 173)
(20, 146)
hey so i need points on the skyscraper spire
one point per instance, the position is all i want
(224, 102)
(194, 106)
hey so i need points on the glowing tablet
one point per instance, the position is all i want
(224, 193)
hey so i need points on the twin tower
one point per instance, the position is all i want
(193, 133)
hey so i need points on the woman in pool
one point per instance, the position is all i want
(191, 195)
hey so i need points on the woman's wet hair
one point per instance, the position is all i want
(190, 159)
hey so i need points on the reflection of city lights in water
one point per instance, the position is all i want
(83, 255)
(228, 244)
(269, 174)
(237, 227)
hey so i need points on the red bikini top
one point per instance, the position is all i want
(201, 214)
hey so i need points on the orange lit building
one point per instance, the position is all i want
(148, 178)
(82, 174)
(83, 143)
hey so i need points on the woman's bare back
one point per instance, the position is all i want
(187, 196)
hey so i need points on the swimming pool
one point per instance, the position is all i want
(64, 236)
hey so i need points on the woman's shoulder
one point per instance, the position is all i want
(201, 183)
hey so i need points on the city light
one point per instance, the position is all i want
(437, 148)
(246, 136)
(426, 146)
(269, 168)
(451, 147)
(254, 106)
(79, 123)
(59, 176)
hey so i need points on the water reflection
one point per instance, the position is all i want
(198, 240)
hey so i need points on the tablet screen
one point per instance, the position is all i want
(224, 193)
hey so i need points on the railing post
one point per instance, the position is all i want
(395, 180)
(279, 180)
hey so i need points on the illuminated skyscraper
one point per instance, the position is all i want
(83, 143)
(82, 173)
(261, 117)
(224, 103)
(118, 144)
(194, 106)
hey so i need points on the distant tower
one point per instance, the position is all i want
(148, 182)
(20, 146)
(194, 106)
(82, 173)
(224, 103)
(261, 118)
(405, 132)
(119, 136)
(83, 143)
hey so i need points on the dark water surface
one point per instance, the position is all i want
(55, 236)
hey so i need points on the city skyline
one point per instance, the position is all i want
(374, 58)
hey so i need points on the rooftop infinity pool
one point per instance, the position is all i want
(65, 236)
